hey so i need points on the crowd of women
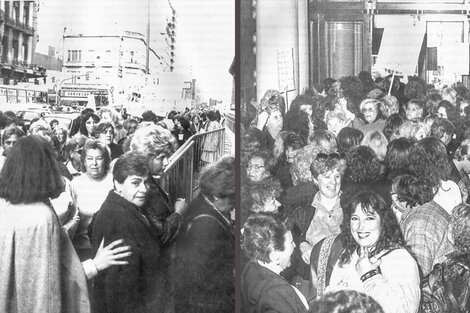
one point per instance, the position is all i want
(86, 227)
(353, 195)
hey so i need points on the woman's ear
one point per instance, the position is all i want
(117, 186)
(275, 256)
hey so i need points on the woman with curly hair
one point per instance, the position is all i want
(325, 140)
(448, 111)
(299, 118)
(373, 255)
(268, 245)
(259, 165)
(392, 126)
(286, 148)
(430, 161)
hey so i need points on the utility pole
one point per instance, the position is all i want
(148, 39)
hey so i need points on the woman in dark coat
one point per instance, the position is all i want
(205, 251)
(138, 286)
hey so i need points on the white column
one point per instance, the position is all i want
(2, 5)
(276, 30)
(21, 12)
(30, 50)
(31, 13)
(20, 47)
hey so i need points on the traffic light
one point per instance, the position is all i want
(120, 71)
(87, 76)
(53, 79)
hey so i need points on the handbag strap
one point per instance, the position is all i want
(325, 251)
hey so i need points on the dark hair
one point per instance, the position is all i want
(347, 139)
(52, 122)
(453, 113)
(415, 88)
(218, 179)
(102, 127)
(442, 126)
(262, 234)
(183, 121)
(392, 125)
(343, 301)
(88, 111)
(130, 163)
(370, 202)
(83, 121)
(324, 163)
(263, 190)
(12, 130)
(149, 116)
(31, 172)
(429, 160)
(413, 190)
(432, 103)
(398, 155)
(363, 166)
(94, 144)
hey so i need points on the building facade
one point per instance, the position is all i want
(18, 32)
(110, 66)
(299, 43)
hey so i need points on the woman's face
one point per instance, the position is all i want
(94, 163)
(365, 227)
(413, 112)
(275, 122)
(90, 125)
(307, 109)
(370, 111)
(290, 155)
(256, 170)
(158, 163)
(442, 112)
(463, 105)
(107, 136)
(133, 189)
(61, 135)
(271, 204)
(177, 124)
(329, 184)
(106, 117)
(283, 257)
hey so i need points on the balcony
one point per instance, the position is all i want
(9, 21)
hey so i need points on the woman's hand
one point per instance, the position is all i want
(180, 206)
(366, 264)
(111, 254)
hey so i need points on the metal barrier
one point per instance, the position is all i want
(180, 178)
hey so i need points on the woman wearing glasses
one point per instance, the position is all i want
(372, 116)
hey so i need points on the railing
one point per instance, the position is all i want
(180, 178)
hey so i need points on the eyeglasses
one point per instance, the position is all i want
(256, 168)
(365, 110)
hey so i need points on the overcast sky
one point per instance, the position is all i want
(205, 42)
